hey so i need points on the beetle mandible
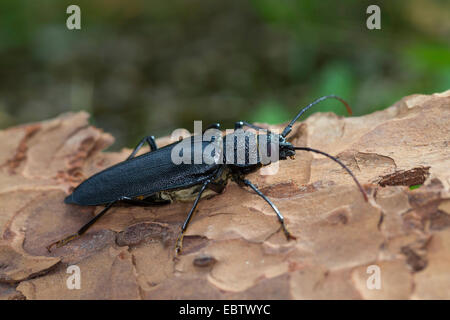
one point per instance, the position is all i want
(153, 178)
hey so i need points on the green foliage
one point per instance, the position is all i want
(144, 67)
(271, 112)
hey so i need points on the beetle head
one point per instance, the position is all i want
(286, 148)
(275, 142)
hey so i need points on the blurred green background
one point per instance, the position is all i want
(148, 67)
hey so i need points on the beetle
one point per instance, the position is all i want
(153, 177)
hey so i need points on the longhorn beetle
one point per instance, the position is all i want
(153, 178)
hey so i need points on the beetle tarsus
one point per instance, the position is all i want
(82, 230)
(288, 235)
(179, 244)
(63, 242)
(246, 182)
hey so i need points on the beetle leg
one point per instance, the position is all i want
(151, 142)
(82, 230)
(241, 124)
(213, 126)
(238, 125)
(279, 215)
(179, 243)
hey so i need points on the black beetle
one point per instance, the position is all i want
(153, 177)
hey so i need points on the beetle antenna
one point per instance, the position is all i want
(341, 164)
(288, 129)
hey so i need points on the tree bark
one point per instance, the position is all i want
(234, 247)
